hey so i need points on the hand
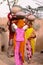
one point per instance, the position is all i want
(33, 36)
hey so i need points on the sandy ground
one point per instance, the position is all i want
(37, 59)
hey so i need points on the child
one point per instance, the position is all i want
(20, 38)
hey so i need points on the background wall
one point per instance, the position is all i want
(4, 36)
(39, 33)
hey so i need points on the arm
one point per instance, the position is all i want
(25, 27)
(14, 26)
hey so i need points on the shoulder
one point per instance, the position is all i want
(25, 27)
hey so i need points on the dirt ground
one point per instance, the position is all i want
(37, 59)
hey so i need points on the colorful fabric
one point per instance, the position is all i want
(19, 34)
(21, 49)
(28, 33)
(20, 37)
(28, 49)
(22, 46)
(33, 41)
(17, 54)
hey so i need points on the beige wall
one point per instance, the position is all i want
(39, 33)
(4, 36)
(3, 21)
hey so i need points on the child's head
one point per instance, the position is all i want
(20, 23)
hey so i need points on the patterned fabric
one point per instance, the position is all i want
(28, 50)
(28, 34)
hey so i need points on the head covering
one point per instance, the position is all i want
(21, 13)
(31, 17)
(16, 9)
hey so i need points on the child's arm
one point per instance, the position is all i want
(25, 27)
(14, 26)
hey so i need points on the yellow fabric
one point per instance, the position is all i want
(33, 45)
(32, 40)
(28, 32)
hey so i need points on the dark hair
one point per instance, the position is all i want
(30, 22)
(17, 17)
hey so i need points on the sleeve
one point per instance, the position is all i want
(25, 27)
(14, 26)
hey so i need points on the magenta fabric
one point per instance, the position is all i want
(18, 60)
(19, 34)
(19, 38)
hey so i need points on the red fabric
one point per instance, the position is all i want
(9, 14)
(11, 34)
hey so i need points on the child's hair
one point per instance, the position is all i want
(17, 17)
(20, 23)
